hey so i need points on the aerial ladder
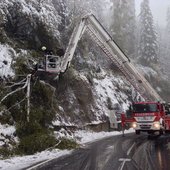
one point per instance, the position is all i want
(90, 24)
(101, 37)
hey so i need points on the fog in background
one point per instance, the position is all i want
(158, 8)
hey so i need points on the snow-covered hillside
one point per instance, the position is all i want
(85, 94)
(44, 11)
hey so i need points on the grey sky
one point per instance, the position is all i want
(158, 8)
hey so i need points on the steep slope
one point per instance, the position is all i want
(84, 94)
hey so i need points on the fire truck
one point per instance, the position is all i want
(143, 116)
(148, 117)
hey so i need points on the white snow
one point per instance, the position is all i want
(107, 88)
(7, 129)
(104, 88)
(7, 135)
(56, 123)
(44, 10)
(89, 136)
(16, 163)
(5, 60)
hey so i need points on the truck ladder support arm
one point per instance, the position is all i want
(113, 51)
(76, 35)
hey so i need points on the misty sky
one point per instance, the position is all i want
(159, 8)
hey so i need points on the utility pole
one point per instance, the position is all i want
(28, 96)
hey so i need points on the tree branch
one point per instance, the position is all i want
(18, 89)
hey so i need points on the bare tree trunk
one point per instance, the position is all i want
(28, 97)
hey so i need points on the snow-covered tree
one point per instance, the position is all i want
(79, 8)
(167, 40)
(148, 45)
(61, 7)
(123, 26)
(165, 46)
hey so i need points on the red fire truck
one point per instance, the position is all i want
(149, 117)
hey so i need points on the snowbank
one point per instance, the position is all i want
(16, 163)
(87, 136)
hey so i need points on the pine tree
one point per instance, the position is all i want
(148, 45)
(123, 27)
(165, 46)
(167, 40)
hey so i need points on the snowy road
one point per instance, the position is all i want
(117, 153)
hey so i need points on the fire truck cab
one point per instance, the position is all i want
(148, 117)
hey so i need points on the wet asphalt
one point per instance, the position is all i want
(131, 152)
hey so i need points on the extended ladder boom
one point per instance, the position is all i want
(90, 24)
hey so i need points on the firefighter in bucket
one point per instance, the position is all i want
(51, 63)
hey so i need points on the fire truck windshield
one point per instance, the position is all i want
(145, 108)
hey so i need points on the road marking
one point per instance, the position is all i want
(123, 160)
(129, 150)
(36, 166)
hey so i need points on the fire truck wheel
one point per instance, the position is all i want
(137, 132)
